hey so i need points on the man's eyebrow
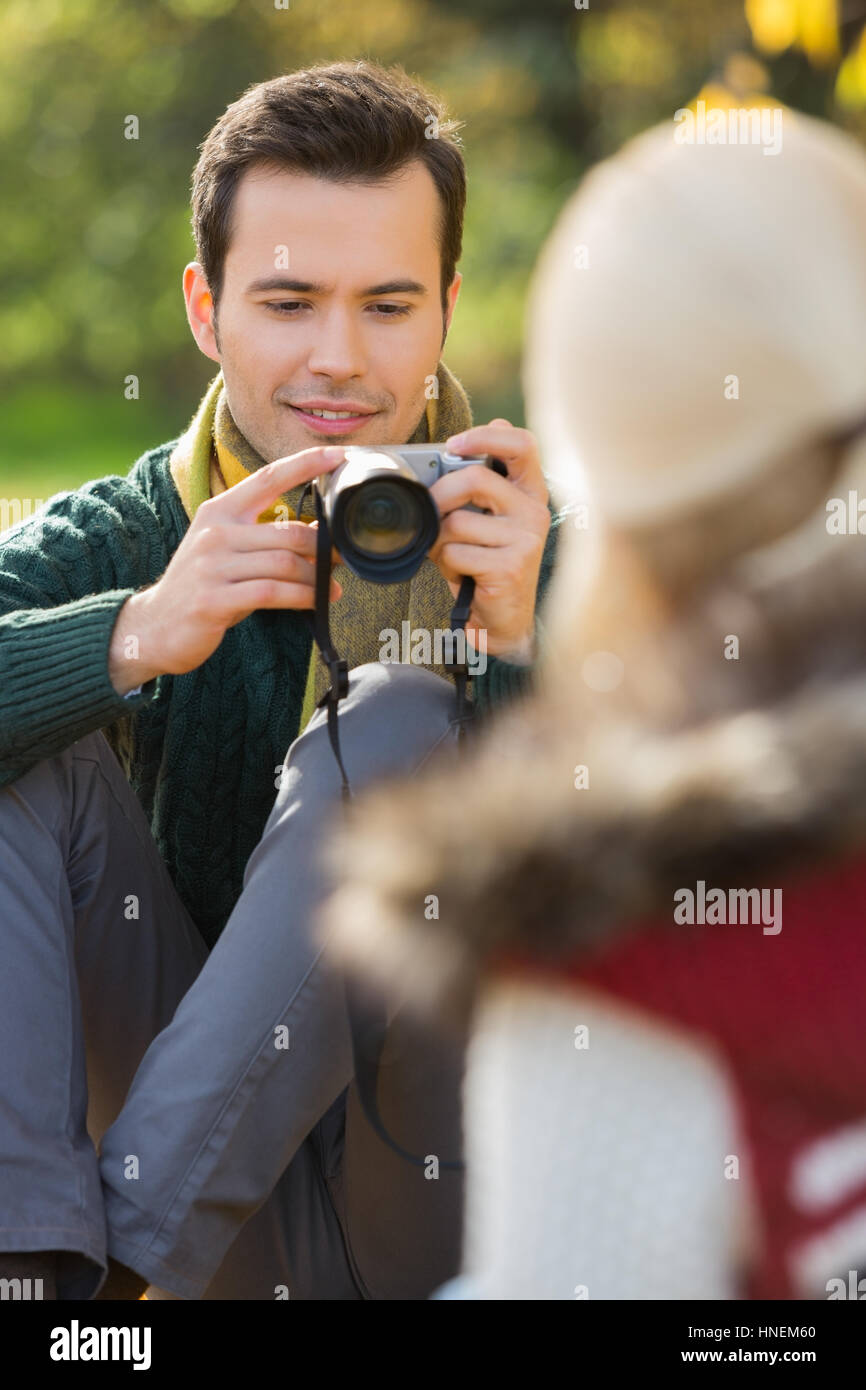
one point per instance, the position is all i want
(282, 282)
(396, 287)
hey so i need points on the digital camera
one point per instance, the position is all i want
(381, 515)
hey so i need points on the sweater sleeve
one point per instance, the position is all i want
(65, 573)
(502, 680)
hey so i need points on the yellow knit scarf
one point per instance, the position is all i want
(212, 455)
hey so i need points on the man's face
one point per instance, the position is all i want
(354, 322)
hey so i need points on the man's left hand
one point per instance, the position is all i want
(502, 550)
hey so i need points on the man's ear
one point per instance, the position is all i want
(453, 292)
(200, 310)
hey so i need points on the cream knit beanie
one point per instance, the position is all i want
(698, 311)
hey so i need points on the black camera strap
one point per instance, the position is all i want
(337, 665)
(368, 1023)
(460, 669)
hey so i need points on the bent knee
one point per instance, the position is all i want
(393, 683)
(393, 718)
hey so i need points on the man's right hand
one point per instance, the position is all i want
(227, 565)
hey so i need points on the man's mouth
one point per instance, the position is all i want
(323, 421)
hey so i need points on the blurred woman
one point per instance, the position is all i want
(650, 878)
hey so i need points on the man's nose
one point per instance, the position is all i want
(337, 349)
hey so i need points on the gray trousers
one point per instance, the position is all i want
(150, 1108)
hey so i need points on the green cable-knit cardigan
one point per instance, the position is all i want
(200, 750)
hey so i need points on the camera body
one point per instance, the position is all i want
(380, 513)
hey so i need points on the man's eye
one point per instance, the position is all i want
(287, 307)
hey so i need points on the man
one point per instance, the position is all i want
(166, 609)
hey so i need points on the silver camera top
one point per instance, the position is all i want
(426, 461)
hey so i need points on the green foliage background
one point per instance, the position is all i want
(95, 228)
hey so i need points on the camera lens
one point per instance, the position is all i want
(384, 517)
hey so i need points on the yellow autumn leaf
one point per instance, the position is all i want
(819, 30)
(812, 25)
(773, 23)
(851, 78)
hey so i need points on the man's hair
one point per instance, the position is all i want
(348, 121)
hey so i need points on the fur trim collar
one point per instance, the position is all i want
(507, 854)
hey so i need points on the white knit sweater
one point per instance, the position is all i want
(598, 1142)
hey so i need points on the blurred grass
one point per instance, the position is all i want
(54, 438)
